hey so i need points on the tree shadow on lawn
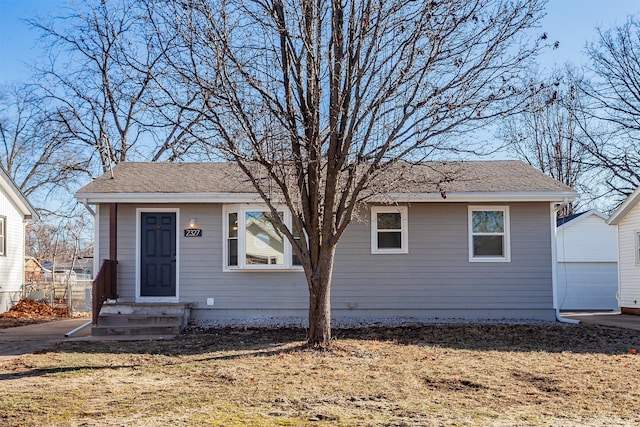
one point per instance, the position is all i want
(236, 343)
(217, 343)
(244, 342)
(537, 337)
(37, 372)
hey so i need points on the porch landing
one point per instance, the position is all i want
(141, 319)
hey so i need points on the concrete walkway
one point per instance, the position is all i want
(36, 338)
(607, 318)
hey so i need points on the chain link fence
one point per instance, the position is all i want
(70, 290)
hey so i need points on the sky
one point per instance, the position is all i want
(571, 22)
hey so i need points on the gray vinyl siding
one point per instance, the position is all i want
(200, 267)
(434, 279)
(437, 274)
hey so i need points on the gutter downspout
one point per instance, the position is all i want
(86, 205)
(554, 255)
(73, 331)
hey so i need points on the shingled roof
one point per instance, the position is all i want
(507, 176)
(130, 177)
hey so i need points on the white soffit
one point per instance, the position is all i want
(95, 198)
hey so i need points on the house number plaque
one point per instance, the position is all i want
(193, 232)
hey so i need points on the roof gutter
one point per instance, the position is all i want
(85, 203)
(453, 197)
(481, 196)
(97, 198)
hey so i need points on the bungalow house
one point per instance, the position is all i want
(627, 218)
(587, 262)
(482, 247)
(15, 211)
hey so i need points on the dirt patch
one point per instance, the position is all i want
(445, 375)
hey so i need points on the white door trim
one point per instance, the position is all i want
(139, 212)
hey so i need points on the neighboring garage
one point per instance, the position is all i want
(587, 269)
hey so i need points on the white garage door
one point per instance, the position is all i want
(587, 286)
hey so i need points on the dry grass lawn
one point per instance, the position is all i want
(440, 375)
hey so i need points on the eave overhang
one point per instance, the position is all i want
(9, 186)
(630, 202)
(461, 197)
(481, 197)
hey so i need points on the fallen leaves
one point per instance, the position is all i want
(30, 309)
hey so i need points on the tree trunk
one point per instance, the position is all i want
(320, 300)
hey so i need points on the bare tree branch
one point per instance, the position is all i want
(107, 79)
(33, 149)
(547, 136)
(610, 115)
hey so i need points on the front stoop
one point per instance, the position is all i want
(142, 319)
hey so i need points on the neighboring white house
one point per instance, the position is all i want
(627, 219)
(15, 210)
(587, 269)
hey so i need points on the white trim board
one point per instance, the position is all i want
(139, 298)
(229, 198)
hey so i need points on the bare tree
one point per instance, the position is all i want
(35, 152)
(547, 136)
(317, 100)
(32, 148)
(60, 237)
(107, 80)
(610, 115)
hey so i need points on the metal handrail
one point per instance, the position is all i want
(105, 287)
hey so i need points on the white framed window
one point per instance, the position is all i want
(3, 236)
(254, 242)
(489, 234)
(389, 229)
(637, 245)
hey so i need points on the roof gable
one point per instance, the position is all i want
(618, 215)
(436, 179)
(574, 219)
(15, 195)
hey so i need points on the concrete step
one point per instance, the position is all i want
(140, 320)
(145, 308)
(126, 319)
(134, 330)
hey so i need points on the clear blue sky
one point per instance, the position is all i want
(571, 22)
(17, 40)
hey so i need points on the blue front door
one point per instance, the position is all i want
(158, 254)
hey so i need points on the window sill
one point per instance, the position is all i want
(390, 252)
(490, 259)
(262, 269)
